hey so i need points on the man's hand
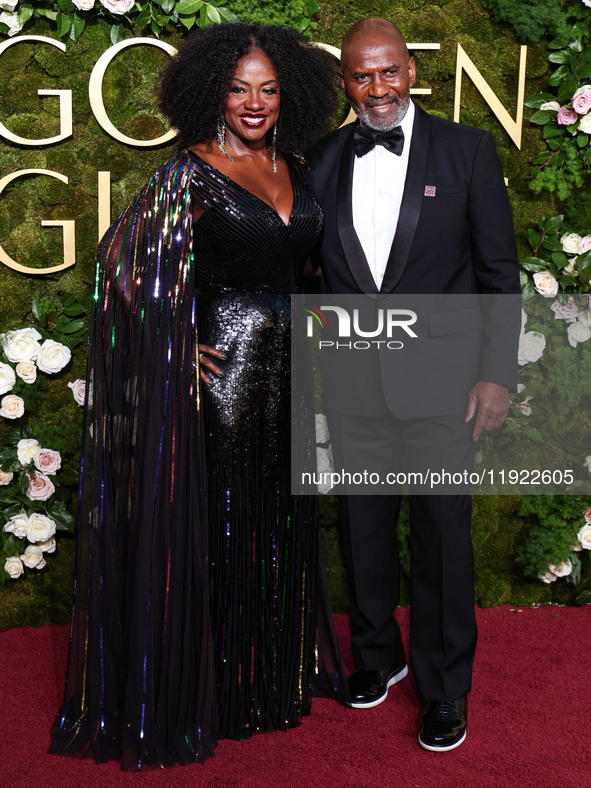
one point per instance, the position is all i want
(491, 403)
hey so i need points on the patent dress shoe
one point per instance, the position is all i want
(444, 725)
(370, 687)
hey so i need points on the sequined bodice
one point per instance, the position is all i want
(241, 242)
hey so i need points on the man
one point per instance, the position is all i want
(413, 204)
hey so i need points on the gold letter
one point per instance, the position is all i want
(65, 97)
(95, 92)
(66, 224)
(104, 203)
(512, 127)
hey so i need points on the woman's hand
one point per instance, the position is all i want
(206, 362)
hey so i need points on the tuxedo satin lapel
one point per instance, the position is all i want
(352, 248)
(412, 200)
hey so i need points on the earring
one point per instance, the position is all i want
(274, 148)
(221, 137)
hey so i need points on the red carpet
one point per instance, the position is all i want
(529, 721)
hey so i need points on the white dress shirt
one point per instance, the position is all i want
(378, 183)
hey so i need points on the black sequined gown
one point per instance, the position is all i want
(263, 543)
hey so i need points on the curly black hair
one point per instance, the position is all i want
(196, 81)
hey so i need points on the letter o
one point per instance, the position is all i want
(95, 92)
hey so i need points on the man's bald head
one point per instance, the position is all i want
(373, 26)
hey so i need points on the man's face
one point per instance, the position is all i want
(377, 75)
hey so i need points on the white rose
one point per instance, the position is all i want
(84, 5)
(585, 124)
(41, 528)
(531, 347)
(584, 536)
(26, 449)
(8, 5)
(553, 105)
(53, 356)
(48, 546)
(587, 462)
(585, 318)
(587, 516)
(12, 21)
(40, 487)
(570, 268)
(12, 407)
(27, 371)
(585, 244)
(520, 388)
(33, 557)
(525, 407)
(14, 566)
(547, 577)
(118, 6)
(570, 243)
(7, 378)
(569, 311)
(18, 525)
(545, 283)
(577, 332)
(322, 435)
(48, 461)
(5, 477)
(21, 345)
(78, 391)
(524, 319)
(324, 464)
(562, 570)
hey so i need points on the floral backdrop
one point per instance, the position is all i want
(527, 549)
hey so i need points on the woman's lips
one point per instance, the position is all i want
(253, 120)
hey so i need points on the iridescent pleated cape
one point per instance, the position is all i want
(140, 627)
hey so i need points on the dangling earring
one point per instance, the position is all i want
(274, 148)
(221, 137)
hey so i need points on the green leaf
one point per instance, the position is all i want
(562, 56)
(77, 27)
(70, 326)
(537, 99)
(540, 117)
(167, 6)
(553, 224)
(582, 140)
(567, 281)
(535, 267)
(534, 434)
(230, 17)
(64, 5)
(567, 87)
(560, 259)
(551, 243)
(64, 521)
(213, 14)
(557, 77)
(188, 6)
(74, 311)
(144, 17)
(534, 237)
(25, 12)
(552, 131)
(558, 43)
(583, 598)
(116, 33)
(64, 23)
(155, 28)
(38, 313)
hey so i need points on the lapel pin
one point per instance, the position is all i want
(430, 191)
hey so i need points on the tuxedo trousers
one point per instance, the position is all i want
(442, 620)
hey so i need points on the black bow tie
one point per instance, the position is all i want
(365, 139)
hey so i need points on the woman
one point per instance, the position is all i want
(197, 586)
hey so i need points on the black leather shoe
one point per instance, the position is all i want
(370, 687)
(444, 724)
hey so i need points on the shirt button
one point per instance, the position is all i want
(380, 191)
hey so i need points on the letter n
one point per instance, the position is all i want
(512, 127)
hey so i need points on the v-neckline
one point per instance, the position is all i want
(252, 194)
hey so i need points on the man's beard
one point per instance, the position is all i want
(382, 124)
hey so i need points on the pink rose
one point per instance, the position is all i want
(582, 101)
(587, 515)
(569, 311)
(584, 244)
(78, 391)
(48, 461)
(566, 116)
(118, 6)
(40, 487)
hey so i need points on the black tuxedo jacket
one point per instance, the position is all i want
(459, 240)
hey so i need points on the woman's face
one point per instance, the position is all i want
(252, 105)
